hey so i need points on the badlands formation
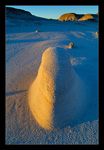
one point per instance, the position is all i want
(86, 17)
(78, 17)
(56, 96)
(69, 16)
(27, 118)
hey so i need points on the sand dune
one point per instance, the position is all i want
(54, 97)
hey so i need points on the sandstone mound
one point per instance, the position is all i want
(55, 97)
(78, 17)
(69, 17)
(86, 17)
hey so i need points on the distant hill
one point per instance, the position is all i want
(20, 14)
(16, 12)
(78, 17)
(69, 17)
(17, 17)
(86, 17)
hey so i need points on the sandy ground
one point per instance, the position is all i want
(24, 49)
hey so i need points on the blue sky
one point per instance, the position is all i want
(55, 12)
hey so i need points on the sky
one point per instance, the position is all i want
(54, 12)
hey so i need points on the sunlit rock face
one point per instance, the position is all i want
(55, 97)
(78, 17)
(86, 17)
(69, 17)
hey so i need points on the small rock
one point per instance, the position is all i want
(70, 45)
(96, 33)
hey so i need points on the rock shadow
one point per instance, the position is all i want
(14, 92)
